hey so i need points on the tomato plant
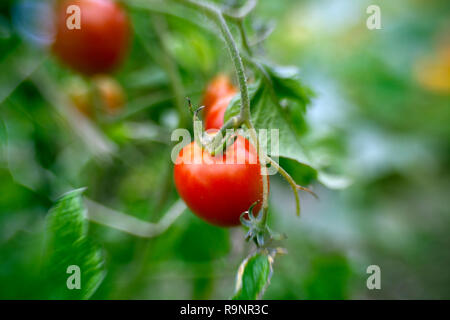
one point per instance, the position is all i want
(164, 230)
(102, 41)
(217, 191)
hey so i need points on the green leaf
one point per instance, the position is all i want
(302, 175)
(202, 242)
(67, 244)
(286, 83)
(269, 115)
(65, 222)
(328, 277)
(280, 104)
(253, 277)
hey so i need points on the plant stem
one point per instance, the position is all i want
(244, 38)
(265, 177)
(132, 225)
(234, 122)
(292, 183)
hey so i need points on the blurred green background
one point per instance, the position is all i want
(381, 115)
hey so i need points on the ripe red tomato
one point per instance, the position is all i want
(217, 191)
(215, 117)
(101, 43)
(219, 87)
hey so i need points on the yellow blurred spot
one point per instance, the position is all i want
(433, 72)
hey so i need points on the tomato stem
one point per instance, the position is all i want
(245, 43)
(292, 183)
(216, 15)
(265, 176)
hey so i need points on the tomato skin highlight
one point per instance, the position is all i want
(219, 87)
(102, 42)
(216, 191)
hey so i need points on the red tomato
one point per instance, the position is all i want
(219, 87)
(215, 116)
(217, 191)
(101, 43)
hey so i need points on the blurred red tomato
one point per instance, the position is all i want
(215, 116)
(101, 43)
(219, 87)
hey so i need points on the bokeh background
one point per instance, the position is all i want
(381, 115)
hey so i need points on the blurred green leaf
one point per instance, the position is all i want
(328, 277)
(288, 120)
(202, 242)
(67, 244)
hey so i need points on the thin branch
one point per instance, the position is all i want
(130, 224)
(234, 122)
(307, 190)
(242, 12)
(265, 176)
(263, 36)
(244, 38)
(292, 183)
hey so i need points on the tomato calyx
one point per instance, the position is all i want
(258, 231)
(213, 142)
